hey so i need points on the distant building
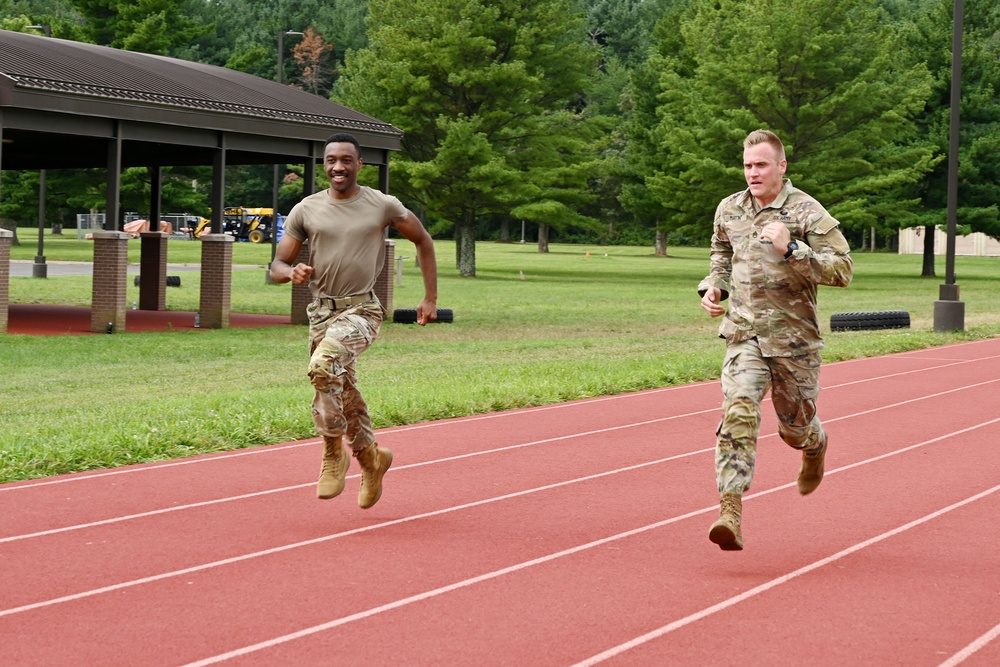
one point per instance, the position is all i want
(911, 242)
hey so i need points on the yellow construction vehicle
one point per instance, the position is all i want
(245, 224)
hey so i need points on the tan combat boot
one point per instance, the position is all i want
(336, 460)
(811, 472)
(374, 462)
(726, 531)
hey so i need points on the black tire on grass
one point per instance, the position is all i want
(409, 316)
(878, 319)
(171, 281)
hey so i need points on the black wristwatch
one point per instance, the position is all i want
(792, 247)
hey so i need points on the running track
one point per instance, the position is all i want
(573, 534)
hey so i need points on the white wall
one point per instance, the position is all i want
(911, 242)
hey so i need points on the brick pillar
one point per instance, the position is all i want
(383, 283)
(153, 271)
(107, 303)
(301, 294)
(6, 239)
(216, 280)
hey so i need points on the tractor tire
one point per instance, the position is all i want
(409, 316)
(256, 236)
(879, 319)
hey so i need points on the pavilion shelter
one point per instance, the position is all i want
(72, 105)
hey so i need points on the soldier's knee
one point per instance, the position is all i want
(321, 379)
(325, 368)
(325, 373)
(330, 425)
(740, 413)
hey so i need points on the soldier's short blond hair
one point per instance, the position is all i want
(766, 137)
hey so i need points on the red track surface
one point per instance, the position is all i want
(562, 535)
(49, 320)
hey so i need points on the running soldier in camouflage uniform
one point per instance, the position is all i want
(345, 227)
(772, 246)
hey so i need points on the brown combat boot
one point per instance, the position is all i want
(374, 462)
(336, 460)
(726, 531)
(811, 472)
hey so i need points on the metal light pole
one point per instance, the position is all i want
(277, 183)
(40, 269)
(949, 311)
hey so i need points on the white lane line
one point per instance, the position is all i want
(920, 352)
(80, 477)
(911, 400)
(205, 503)
(327, 538)
(456, 457)
(967, 652)
(461, 584)
(267, 449)
(763, 588)
(207, 458)
(909, 372)
(465, 583)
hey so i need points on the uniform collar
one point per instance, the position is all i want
(749, 203)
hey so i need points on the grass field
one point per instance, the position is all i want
(576, 325)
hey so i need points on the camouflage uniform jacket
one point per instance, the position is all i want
(773, 298)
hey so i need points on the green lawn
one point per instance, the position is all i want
(575, 326)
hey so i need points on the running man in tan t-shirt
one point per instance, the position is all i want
(345, 228)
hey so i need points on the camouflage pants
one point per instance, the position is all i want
(747, 375)
(336, 339)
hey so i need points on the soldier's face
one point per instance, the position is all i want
(763, 171)
(341, 163)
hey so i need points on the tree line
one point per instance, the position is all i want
(610, 121)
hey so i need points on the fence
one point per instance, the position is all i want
(88, 222)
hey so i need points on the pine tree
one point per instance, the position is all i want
(823, 74)
(485, 93)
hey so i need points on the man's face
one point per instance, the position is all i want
(341, 163)
(763, 172)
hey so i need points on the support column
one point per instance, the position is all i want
(219, 186)
(153, 271)
(383, 283)
(107, 303)
(6, 239)
(216, 280)
(949, 311)
(153, 258)
(301, 294)
(112, 210)
(40, 269)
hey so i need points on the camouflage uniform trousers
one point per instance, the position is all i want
(336, 339)
(747, 375)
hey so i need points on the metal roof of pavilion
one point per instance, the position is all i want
(61, 101)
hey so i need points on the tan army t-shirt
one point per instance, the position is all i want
(346, 238)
